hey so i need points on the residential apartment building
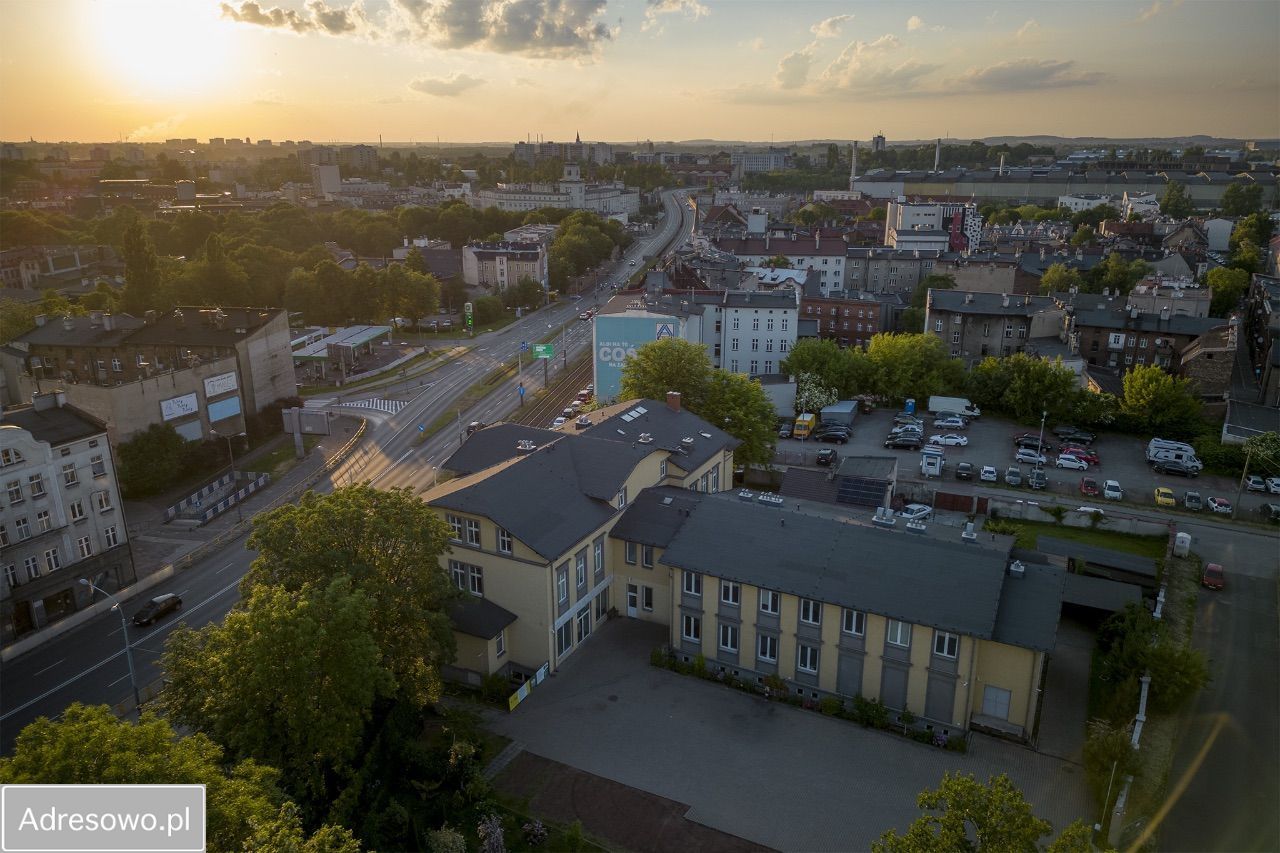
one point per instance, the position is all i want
(1120, 339)
(501, 265)
(887, 270)
(826, 254)
(1179, 297)
(530, 529)
(60, 515)
(958, 223)
(850, 317)
(577, 151)
(975, 325)
(1262, 332)
(1084, 201)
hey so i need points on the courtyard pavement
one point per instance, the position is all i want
(776, 775)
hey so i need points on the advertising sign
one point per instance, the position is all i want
(220, 384)
(177, 407)
(616, 340)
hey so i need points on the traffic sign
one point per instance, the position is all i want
(544, 350)
(524, 346)
(422, 427)
(521, 390)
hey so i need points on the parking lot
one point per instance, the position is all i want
(1121, 458)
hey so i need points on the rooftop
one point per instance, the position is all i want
(56, 425)
(977, 302)
(92, 330)
(189, 326)
(494, 444)
(691, 440)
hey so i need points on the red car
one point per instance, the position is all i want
(1213, 578)
(1090, 456)
(1089, 487)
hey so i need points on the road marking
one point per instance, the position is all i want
(124, 677)
(224, 568)
(49, 667)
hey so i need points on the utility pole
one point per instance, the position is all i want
(1235, 505)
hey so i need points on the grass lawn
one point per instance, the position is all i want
(1029, 533)
(279, 461)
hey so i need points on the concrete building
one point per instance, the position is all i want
(325, 180)
(358, 158)
(570, 193)
(1179, 297)
(576, 151)
(888, 270)
(542, 233)
(771, 159)
(1262, 333)
(1120, 339)
(826, 254)
(60, 515)
(1078, 202)
(976, 325)
(932, 225)
(500, 265)
(1145, 205)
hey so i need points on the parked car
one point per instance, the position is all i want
(1073, 434)
(446, 324)
(1063, 430)
(1090, 456)
(915, 512)
(903, 442)
(1111, 490)
(1273, 485)
(1212, 577)
(784, 431)
(1193, 501)
(1032, 442)
(1013, 476)
(1164, 497)
(157, 608)
(1089, 487)
(558, 422)
(1073, 463)
(568, 412)
(1270, 512)
(904, 418)
(1029, 456)
(907, 428)
(1091, 510)
(988, 474)
(950, 423)
(950, 439)
(1181, 469)
(474, 427)
(964, 471)
(827, 456)
(1037, 479)
(1254, 483)
(1221, 505)
(831, 437)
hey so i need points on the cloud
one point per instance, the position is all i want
(689, 8)
(1149, 12)
(1024, 75)
(269, 97)
(756, 43)
(831, 26)
(159, 129)
(793, 69)
(446, 87)
(1029, 30)
(914, 23)
(540, 28)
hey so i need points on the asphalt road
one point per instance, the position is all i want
(88, 664)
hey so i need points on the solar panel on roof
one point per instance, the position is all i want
(861, 491)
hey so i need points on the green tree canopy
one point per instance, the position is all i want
(812, 395)
(670, 364)
(1059, 278)
(1159, 404)
(1229, 287)
(741, 407)
(1084, 236)
(1175, 202)
(1241, 200)
(141, 271)
(152, 460)
(1025, 386)
(911, 365)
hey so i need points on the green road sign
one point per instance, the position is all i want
(544, 350)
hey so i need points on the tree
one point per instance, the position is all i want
(778, 261)
(453, 294)
(1241, 200)
(670, 364)
(741, 407)
(1132, 643)
(1160, 404)
(285, 833)
(288, 678)
(992, 818)
(151, 461)
(1094, 216)
(141, 271)
(487, 310)
(812, 395)
(1084, 236)
(1229, 287)
(911, 365)
(388, 542)
(846, 371)
(1024, 386)
(1255, 228)
(1176, 202)
(1059, 278)
(89, 745)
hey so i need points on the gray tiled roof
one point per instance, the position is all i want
(494, 444)
(975, 302)
(1029, 608)
(480, 617)
(655, 516)
(892, 573)
(555, 496)
(1100, 593)
(84, 331)
(56, 426)
(668, 429)
(1179, 324)
(193, 326)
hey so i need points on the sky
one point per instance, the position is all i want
(629, 70)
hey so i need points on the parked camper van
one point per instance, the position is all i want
(1164, 450)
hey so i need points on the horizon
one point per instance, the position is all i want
(700, 71)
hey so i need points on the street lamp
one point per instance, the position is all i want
(1044, 413)
(232, 456)
(128, 652)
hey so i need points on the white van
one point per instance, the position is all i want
(931, 464)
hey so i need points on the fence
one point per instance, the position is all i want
(196, 498)
(260, 481)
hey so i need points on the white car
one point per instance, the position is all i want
(988, 474)
(1092, 510)
(558, 422)
(950, 423)
(951, 439)
(1111, 490)
(1029, 456)
(1273, 485)
(1074, 463)
(1220, 505)
(1254, 483)
(915, 512)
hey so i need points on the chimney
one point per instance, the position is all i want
(817, 239)
(937, 154)
(41, 319)
(968, 299)
(51, 400)
(108, 322)
(1133, 313)
(673, 401)
(1004, 301)
(68, 323)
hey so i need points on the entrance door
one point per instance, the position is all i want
(633, 599)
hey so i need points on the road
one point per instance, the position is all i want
(88, 663)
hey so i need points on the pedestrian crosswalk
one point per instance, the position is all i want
(391, 407)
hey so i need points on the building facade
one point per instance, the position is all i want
(973, 325)
(501, 265)
(958, 225)
(825, 254)
(570, 193)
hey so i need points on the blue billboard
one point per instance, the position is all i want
(616, 338)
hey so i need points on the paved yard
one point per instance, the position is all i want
(1063, 719)
(773, 774)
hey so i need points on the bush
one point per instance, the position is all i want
(700, 666)
(830, 705)
(1002, 526)
(534, 833)
(495, 688)
(957, 743)
(487, 309)
(906, 717)
(446, 840)
(1219, 458)
(870, 712)
(776, 686)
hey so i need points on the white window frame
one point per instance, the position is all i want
(11, 574)
(44, 521)
(853, 622)
(731, 592)
(691, 628)
(629, 552)
(692, 583)
(36, 484)
(562, 584)
(580, 567)
(810, 611)
(22, 528)
(84, 546)
(109, 534)
(96, 465)
(32, 565)
(807, 658)
(767, 648)
(70, 476)
(646, 598)
(597, 555)
(898, 633)
(14, 488)
(500, 643)
(103, 501)
(770, 602)
(473, 531)
(646, 556)
(503, 541)
(946, 644)
(729, 637)
(455, 527)
(52, 559)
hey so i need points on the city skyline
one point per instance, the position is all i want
(621, 70)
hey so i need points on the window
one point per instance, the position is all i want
(562, 584)
(83, 547)
(110, 535)
(4, 536)
(622, 498)
(899, 633)
(116, 367)
(69, 475)
(783, 346)
(11, 575)
(51, 559)
(768, 325)
(467, 578)
(15, 491)
(733, 344)
(691, 628)
(580, 568)
(504, 541)
(564, 638)
(473, 532)
(1128, 359)
(807, 658)
(646, 556)
(733, 366)
(767, 648)
(23, 528)
(584, 625)
(955, 337)
(945, 645)
(32, 565)
(631, 553)
(455, 527)
(810, 611)
(754, 367)
(1142, 343)
(9, 457)
(755, 345)
(769, 601)
(103, 500)
(937, 325)
(755, 324)
(662, 470)
(853, 622)
(986, 330)
(768, 345)
(768, 367)
(96, 465)
(693, 583)
(730, 593)
(597, 556)
(500, 643)
(646, 597)
(43, 521)
(729, 638)
(735, 324)
(1142, 359)
(784, 324)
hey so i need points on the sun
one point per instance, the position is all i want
(159, 47)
